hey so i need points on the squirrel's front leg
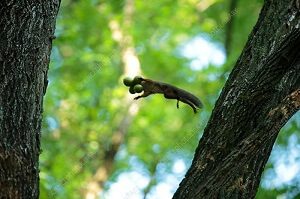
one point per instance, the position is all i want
(145, 94)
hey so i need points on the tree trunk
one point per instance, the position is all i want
(27, 29)
(261, 94)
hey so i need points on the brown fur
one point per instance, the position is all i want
(170, 92)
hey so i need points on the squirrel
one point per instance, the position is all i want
(170, 92)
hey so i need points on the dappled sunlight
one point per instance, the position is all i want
(286, 162)
(132, 63)
(202, 53)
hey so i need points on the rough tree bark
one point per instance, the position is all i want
(27, 29)
(261, 94)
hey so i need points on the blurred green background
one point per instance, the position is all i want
(99, 143)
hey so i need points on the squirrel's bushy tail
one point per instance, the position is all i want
(192, 98)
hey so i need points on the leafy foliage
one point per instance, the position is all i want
(84, 103)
